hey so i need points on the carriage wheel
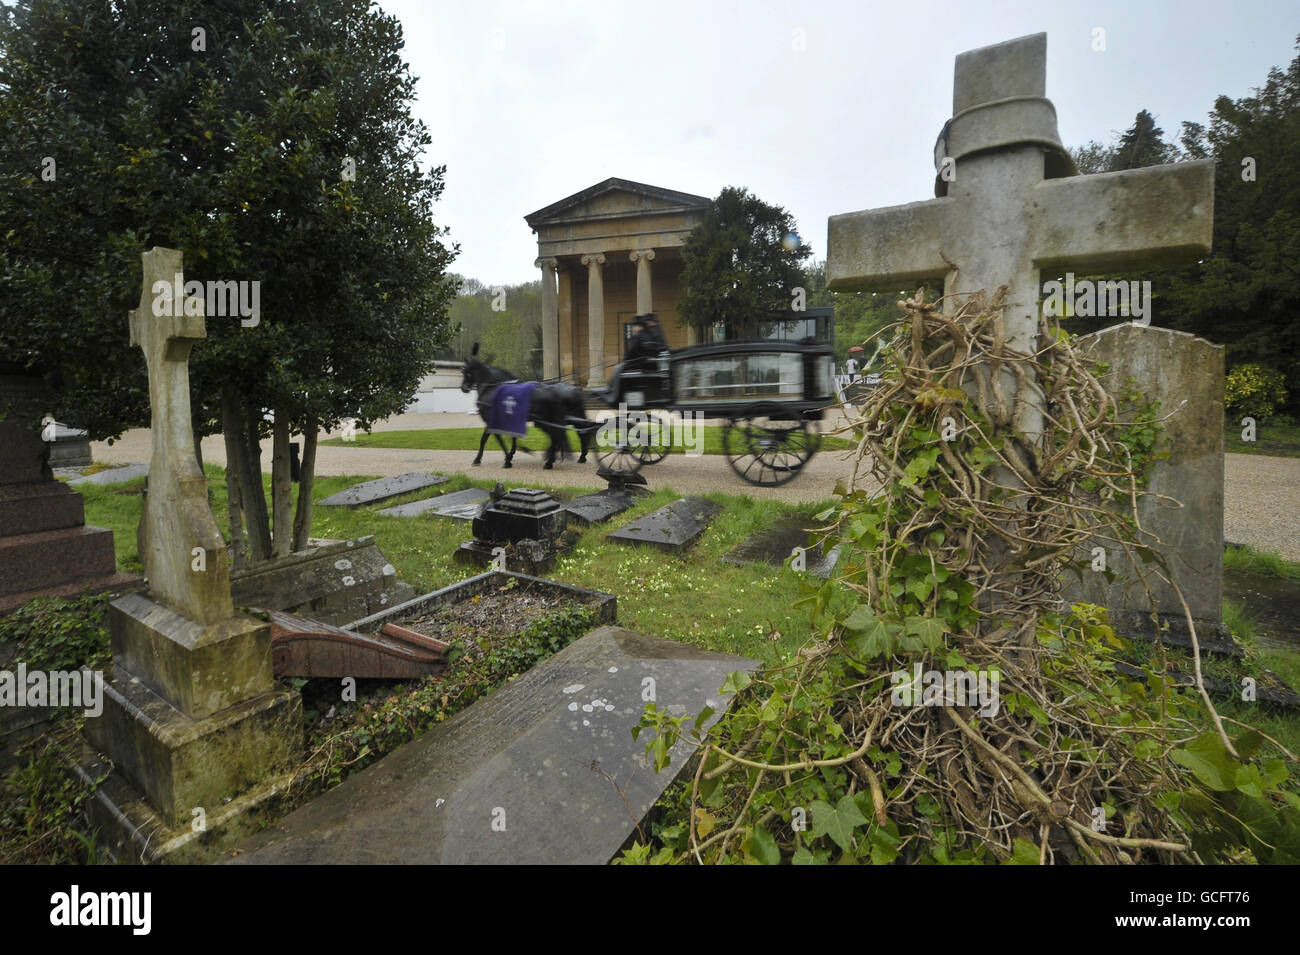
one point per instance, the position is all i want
(768, 447)
(619, 447)
(656, 439)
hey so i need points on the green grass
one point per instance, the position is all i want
(467, 439)
(692, 597)
(1248, 560)
(1279, 436)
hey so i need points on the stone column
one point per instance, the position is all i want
(550, 319)
(644, 300)
(595, 319)
(564, 296)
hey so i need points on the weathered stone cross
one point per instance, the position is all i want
(181, 549)
(1011, 203)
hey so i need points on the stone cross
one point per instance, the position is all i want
(181, 549)
(1011, 204)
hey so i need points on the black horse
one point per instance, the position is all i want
(556, 406)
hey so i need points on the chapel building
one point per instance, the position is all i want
(608, 253)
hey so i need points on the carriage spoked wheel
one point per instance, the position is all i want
(767, 446)
(655, 439)
(619, 447)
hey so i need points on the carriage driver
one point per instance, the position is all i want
(646, 343)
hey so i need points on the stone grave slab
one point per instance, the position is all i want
(333, 582)
(70, 447)
(526, 775)
(1185, 375)
(774, 544)
(459, 505)
(382, 489)
(674, 526)
(127, 472)
(601, 506)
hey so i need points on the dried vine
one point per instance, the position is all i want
(956, 528)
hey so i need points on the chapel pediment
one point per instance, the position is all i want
(616, 199)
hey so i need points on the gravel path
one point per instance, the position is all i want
(1261, 499)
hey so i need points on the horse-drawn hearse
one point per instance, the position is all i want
(770, 391)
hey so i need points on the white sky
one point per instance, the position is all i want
(530, 102)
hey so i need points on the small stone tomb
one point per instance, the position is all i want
(673, 527)
(528, 524)
(542, 771)
(775, 544)
(382, 489)
(69, 447)
(459, 505)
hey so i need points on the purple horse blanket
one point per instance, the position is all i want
(509, 412)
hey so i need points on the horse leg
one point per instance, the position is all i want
(482, 443)
(550, 450)
(509, 454)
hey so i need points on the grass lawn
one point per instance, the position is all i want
(467, 439)
(1279, 436)
(694, 598)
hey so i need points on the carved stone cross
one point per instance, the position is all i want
(181, 549)
(1011, 204)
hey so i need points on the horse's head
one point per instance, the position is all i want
(473, 371)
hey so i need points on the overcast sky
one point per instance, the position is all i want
(530, 102)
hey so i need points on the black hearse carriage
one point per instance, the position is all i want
(769, 389)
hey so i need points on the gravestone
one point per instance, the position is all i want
(528, 524)
(774, 545)
(459, 505)
(1010, 203)
(192, 719)
(530, 774)
(371, 492)
(673, 527)
(334, 582)
(601, 506)
(46, 547)
(117, 475)
(69, 447)
(1184, 374)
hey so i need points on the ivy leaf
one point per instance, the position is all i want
(803, 857)
(930, 630)
(705, 822)
(837, 821)
(1024, 853)
(1208, 761)
(762, 847)
(736, 681)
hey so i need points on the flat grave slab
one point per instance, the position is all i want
(774, 544)
(527, 775)
(381, 489)
(459, 505)
(674, 526)
(127, 472)
(601, 506)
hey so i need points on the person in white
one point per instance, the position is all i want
(851, 366)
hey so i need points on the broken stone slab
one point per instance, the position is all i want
(530, 774)
(334, 582)
(371, 492)
(775, 544)
(601, 506)
(673, 527)
(459, 505)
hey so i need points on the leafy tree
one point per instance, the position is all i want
(506, 320)
(1246, 294)
(270, 142)
(858, 315)
(741, 264)
(1093, 157)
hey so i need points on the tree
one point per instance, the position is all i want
(270, 142)
(741, 264)
(1246, 294)
(858, 315)
(1141, 145)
